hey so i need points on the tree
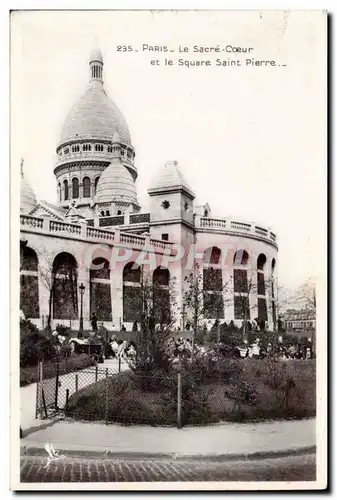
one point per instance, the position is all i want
(306, 295)
(158, 316)
(202, 291)
(243, 290)
(194, 298)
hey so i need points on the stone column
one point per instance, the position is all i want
(44, 287)
(268, 286)
(252, 282)
(116, 284)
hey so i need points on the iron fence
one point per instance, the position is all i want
(180, 398)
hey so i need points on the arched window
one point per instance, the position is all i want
(241, 285)
(59, 191)
(65, 304)
(86, 187)
(119, 212)
(206, 213)
(107, 212)
(261, 289)
(102, 213)
(161, 295)
(100, 290)
(66, 189)
(29, 260)
(75, 184)
(212, 283)
(96, 182)
(29, 283)
(132, 296)
(273, 264)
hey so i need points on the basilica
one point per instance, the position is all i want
(88, 253)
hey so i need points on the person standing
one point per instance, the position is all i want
(94, 322)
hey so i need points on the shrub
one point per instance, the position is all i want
(234, 390)
(35, 346)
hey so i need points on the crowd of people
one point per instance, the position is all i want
(120, 349)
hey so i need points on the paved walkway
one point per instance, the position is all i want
(222, 439)
(86, 377)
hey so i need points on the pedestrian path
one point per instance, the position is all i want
(28, 393)
(220, 439)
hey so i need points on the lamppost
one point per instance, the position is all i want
(81, 288)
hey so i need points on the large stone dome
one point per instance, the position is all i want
(95, 116)
(116, 184)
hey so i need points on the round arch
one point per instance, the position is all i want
(65, 294)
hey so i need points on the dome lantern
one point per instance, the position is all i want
(96, 67)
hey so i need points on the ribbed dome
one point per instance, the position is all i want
(116, 183)
(27, 197)
(95, 116)
(170, 178)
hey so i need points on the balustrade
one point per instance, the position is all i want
(235, 227)
(161, 244)
(132, 240)
(64, 227)
(94, 232)
(208, 222)
(241, 226)
(29, 220)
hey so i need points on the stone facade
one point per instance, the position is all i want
(97, 230)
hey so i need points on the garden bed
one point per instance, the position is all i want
(240, 390)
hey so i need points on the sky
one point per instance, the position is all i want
(250, 140)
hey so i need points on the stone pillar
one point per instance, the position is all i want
(96, 219)
(44, 287)
(127, 218)
(197, 220)
(268, 286)
(252, 282)
(116, 284)
(83, 225)
(117, 235)
(46, 219)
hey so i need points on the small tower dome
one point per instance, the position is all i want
(27, 195)
(116, 184)
(170, 178)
